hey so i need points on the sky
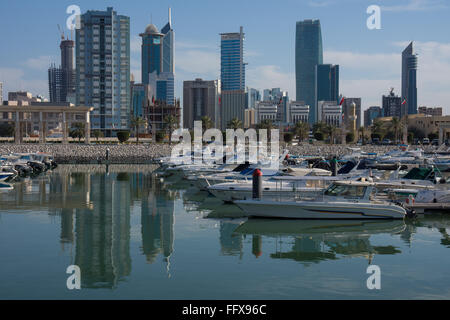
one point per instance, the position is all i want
(369, 60)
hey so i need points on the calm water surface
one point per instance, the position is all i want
(135, 237)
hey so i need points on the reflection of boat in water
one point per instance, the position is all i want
(5, 186)
(323, 228)
(319, 240)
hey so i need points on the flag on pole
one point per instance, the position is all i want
(404, 102)
(342, 101)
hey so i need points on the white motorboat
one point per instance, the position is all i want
(279, 187)
(341, 200)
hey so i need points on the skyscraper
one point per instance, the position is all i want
(392, 105)
(409, 79)
(371, 114)
(61, 80)
(232, 67)
(232, 75)
(1, 92)
(158, 61)
(103, 69)
(327, 83)
(308, 54)
(200, 98)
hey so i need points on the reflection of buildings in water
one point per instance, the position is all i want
(315, 241)
(157, 225)
(103, 235)
(230, 243)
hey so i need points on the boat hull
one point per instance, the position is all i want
(320, 210)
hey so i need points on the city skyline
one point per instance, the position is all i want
(370, 60)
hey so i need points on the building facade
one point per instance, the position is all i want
(266, 110)
(253, 96)
(200, 98)
(62, 79)
(330, 113)
(392, 105)
(371, 114)
(103, 69)
(430, 111)
(232, 67)
(327, 83)
(298, 112)
(409, 79)
(308, 54)
(347, 110)
(232, 77)
(1, 92)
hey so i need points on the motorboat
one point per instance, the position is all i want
(341, 200)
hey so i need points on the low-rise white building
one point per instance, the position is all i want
(266, 110)
(330, 113)
(298, 112)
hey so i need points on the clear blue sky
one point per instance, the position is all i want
(369, 59)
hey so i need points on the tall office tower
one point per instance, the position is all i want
(371, 114)
(158, 61)
(327, 83)
(168, 46)
(409, 80)
(152, 52)
(68, 73)
(61, 80)
(232, 68)
(347, 110)
(200, 98)
(1, 92)
(55, 89)
(253, 97)
(103, 69)
(392, 105)
(308, 54)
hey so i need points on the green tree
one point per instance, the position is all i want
(350, 137)
(267, 125)
(378, 129)
(136, 124)
(288, 137)
(235, 124)
(396, 126)
(77, 131)
(301, 129)
(170, 123)
(207, 123)
(123, 136)
(97, 134)
(6, 129)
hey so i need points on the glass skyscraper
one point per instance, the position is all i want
(232, 67)
(158, 61)
(409, 79)
(327, 83)
(103, 69)
(308, 54)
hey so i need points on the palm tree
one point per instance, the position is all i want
(377, 128)
(301, 130)
(136, 123)
(207, 123)
(98, 134)
(331, 131)
(396, 126)
(235, 124)
(171, 123)
(266, 124)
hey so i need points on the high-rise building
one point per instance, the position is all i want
(327, 83)
(61, 80)
(308, 54)
(103, 69)
(1, 92)
(347, 110)
(200, 98)
(253, 96)
(158, 61)
(409, 79)
(232, 77)
(371, 114)
(168, 40)
(232, 66)
(392, 105)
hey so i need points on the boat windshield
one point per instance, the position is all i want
(348, 191)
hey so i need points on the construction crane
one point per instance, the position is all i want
(61, 32)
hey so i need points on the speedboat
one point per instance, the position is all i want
(341, 200)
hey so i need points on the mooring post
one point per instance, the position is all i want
(257, 184)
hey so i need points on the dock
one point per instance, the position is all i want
(424, 208)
